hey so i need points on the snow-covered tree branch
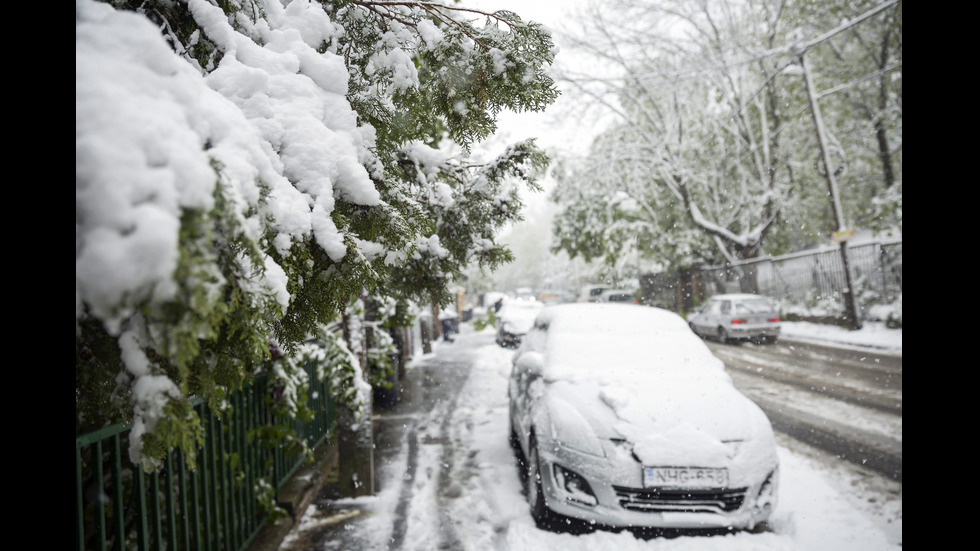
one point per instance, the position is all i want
(246, 169)
(715, 127)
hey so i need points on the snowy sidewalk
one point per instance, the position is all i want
(872, 336)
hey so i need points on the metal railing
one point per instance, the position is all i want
(815, 279)
(215, 506)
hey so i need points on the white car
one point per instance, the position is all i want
(590, 293)
(622, 417)
(737, 317)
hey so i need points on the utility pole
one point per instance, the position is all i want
(853, 321)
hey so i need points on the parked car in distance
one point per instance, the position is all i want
(558, 296)
(514, 319)
(590, 293)
(618, 295)
(737, 317)
(622, 417)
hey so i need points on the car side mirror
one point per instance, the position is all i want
(532, 363)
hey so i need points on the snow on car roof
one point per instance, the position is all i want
(605, 318)
(607, 340)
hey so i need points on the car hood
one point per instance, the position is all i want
(680, 420)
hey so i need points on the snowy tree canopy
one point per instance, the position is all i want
(246, 169)
(712, 155)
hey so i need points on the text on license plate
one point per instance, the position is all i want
(684, 477)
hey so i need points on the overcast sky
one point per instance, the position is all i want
(552, 129)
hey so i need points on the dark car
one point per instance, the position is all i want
(737, 317)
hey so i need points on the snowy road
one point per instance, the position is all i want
(847, 403)
(447, 479)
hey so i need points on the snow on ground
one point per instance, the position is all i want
(824, 503)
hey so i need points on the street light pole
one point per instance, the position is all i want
(849, 303)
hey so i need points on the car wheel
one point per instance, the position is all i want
(770, 340)
(542, 516)
(722, 335)
(515, 444)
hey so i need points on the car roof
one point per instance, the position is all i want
(603, 336)
(608, 318)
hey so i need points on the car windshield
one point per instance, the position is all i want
(753, 306)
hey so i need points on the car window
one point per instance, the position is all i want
(755, 306)
(726, 307)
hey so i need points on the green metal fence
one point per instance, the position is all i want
(214, 507)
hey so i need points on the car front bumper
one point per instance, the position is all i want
(622, 502)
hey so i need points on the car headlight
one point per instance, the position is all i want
(570, 430)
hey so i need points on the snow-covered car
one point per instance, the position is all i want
(622, 417)
(737, 317)
(514, 319)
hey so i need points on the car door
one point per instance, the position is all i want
(703, 319)
(725, 314)
(526, 382)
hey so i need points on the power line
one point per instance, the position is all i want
(857, 81)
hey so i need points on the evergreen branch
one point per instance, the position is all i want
(437, 11)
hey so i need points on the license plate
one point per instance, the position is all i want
(684, 477)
